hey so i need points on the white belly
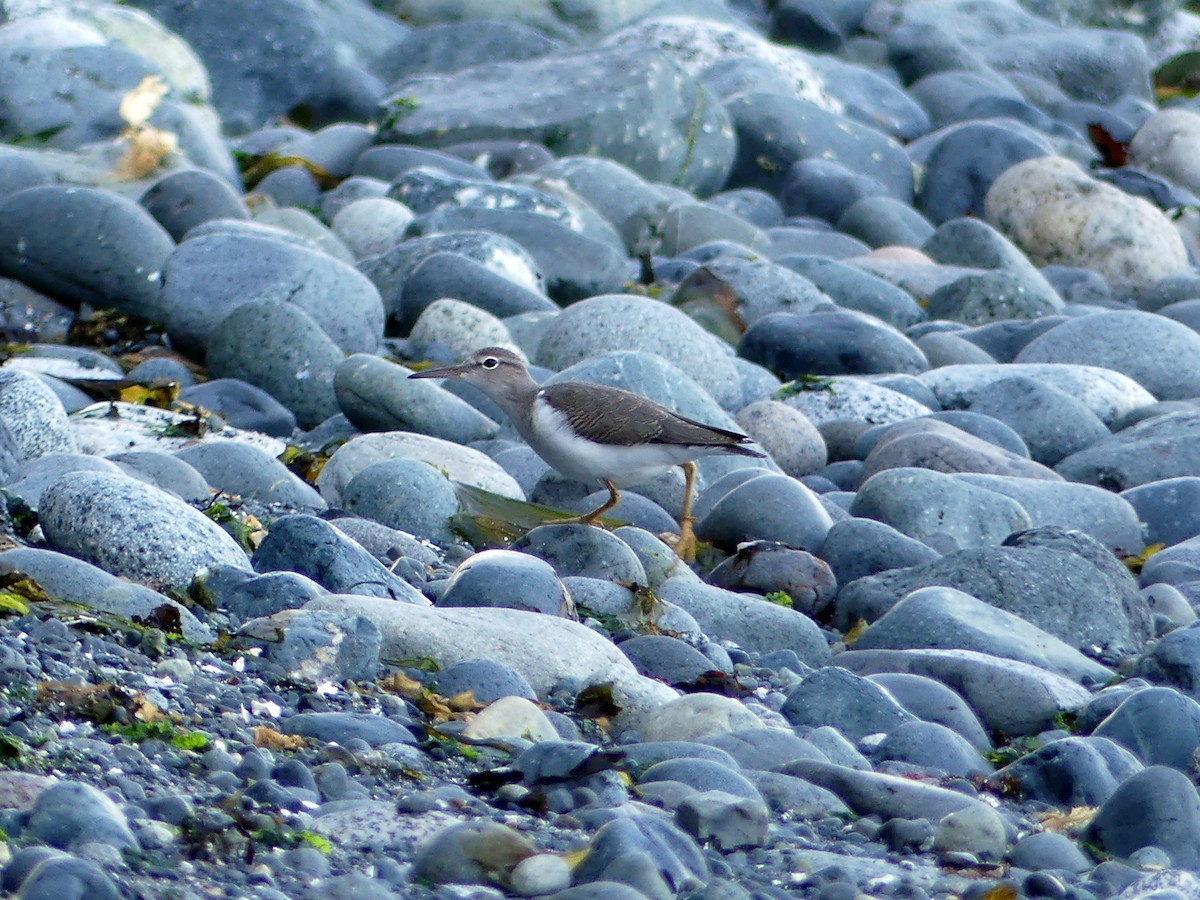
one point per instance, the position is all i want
(585, 461)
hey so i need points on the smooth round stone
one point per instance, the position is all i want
(356, 187)
(1052, 423)
(829, 343)
(486, 679)
(882, 221)
(943, 348)
(1164, 145)
(170, 473)
(694, 716)
(1172, 662)
(978, 829)
(84, 245)
(210, 276)
(1155, 351)
(278, 347)
(460, 463)
(771, 508)
(377, 395)
(1169, 509)
(247, 595)
(316, 646)
(1151, 450)
(950, 92)
(339, 727)
(980, 426)
(764, 748)
(575, 265)
(1169, 291)
(1057, 214)
(246, 470)
(61, 875)
(188, 197)
(977, 299)
(461, 327)
(754, 206)
(971, 242)
(850, 703)
(369, 226)
(71, 813)
(850, 399)
(786, 434)
(291, 221)
(666, 658)
(160, 369)
(1079, 286)
(933, 702)
(805, 238)
(314, 548)
(701, 774)
(1085, 508)
(945, 618)
(933, 746)
(242, 405)
(824, 188)
(689, 225)
(582, 550)
(774, 131)
(469, 853)
(540, 874)
(756, 287)
(854, 289)
(964, 164)
(1076, 591)
(623, 322)
(511, 717)
(388, 162)
(1157, 807)
(929, 443)
(638, 511)
(32, 478)
(859, 547)
(1110, 395)
(1049, 850)
(132, 529)
(507, 578)
(451, 46)
(764, 568)
(18, 171)
(290, 186)
(76, 581)
(643, 850)
(1169, 603)
(456, 275)
(34, 419)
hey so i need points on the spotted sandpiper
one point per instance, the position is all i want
(591, 431)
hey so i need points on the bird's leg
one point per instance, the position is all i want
(614, 497)
(685, 547)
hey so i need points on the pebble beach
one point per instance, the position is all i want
(279, 623)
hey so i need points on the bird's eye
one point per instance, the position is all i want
(490, 362)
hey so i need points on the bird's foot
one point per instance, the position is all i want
(685, 545)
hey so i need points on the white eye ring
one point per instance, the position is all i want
(490, 362)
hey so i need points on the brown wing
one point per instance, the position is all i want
(613, 416)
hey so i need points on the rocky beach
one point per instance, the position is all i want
(278, 622)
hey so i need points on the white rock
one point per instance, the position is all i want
(696, 715)
(511, 717)
(461, 327)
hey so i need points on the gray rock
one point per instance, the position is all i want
(624, 104)
(245, 595)
(764, 748)
(1052, 423)
(84, 245)
(769, 507)
(787, 793)
(1058, 590)
(242, 405)
(1160, 725)
(853, 705)
(486, 679)
(34, 420)
(1167, 508)
(674, 855)
(456, 275)
(885, 795)
(170, 473)
(377, 395)
(829, 342)
(932, 701)
(852, 288)
(764, 568)
(1151, 450)
(881, 221)
(623, 322)
(701, 774)
(686, 226)
(729, 822)
(930, 444)
(754, 287)
(1085, 508)
(339, 727)
(1049, 850)
(989, 297)
(33, 477)
(580, 550)
(937, 509)
(278, 347)
(786, 434)
(316, 647)
(132, 529)
(666, 658)
(850, 399)
(186, 198)
(510, 579)
(754, 624)
(1157, 807)
(1072, 771)
(945, 618)
(75, 581)
(855, 548)
(407, 495)
(1009, 696)
(245, 470)
(71, 813)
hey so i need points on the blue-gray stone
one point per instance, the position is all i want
(71, 813)
(509, 579)
(339, 727)
(1161, 725)
(932, 701)
(188, 197)
(246, 595)
(242, 405)
(856, 548)
(850, 703)
(486, 679)
(165, 471)
(243, 469)
(1158, 807)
